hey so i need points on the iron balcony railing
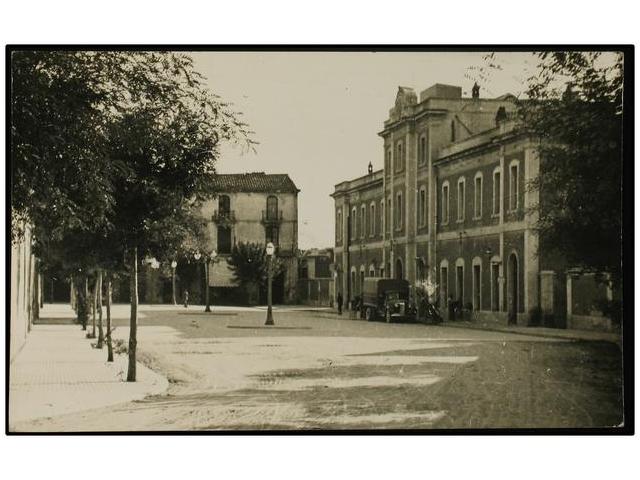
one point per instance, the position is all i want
(224, 216)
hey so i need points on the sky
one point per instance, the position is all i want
(316, 115)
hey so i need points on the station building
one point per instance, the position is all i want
(451, 204)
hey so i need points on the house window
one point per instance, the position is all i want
(460, 282)
(422, 206)
(477, 285)
(477, 196)
(445, 203)
(444, 282)
(354, 222)
(398, 214)
(381, 220)
(339, 225)
(422, 150)
(513, 185)
(224, 205)
(496, 191)
(363, 220)
(453, 130)
(399, 157)
(372, 220)
(272, 207)
(461, 199)
(387, 214)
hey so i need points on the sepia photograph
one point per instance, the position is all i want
(309, 239)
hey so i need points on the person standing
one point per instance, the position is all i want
(186, 299)
(339, 303)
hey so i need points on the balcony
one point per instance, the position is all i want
(270, 217)
(224, 217)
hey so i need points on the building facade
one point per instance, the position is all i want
(316, 284)
(450, 204)
(254, 208)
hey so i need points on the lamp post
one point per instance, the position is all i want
(208, 258)
(197, 255)
(174, 264)
(270, 249)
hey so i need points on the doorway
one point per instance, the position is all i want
(512, 297)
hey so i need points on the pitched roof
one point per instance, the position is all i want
(254, 182)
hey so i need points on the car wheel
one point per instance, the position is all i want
(368, 314)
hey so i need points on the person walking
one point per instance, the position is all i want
(339, 303)
(186, 299)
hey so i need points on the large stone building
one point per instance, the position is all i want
(450, 204)
(254, 208)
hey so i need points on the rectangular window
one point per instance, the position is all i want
(477, 199)
(381, 221)
(513, 187)
(445, 204)
(460, 200)
(496, 193)
(387, 215)
(354, 223)
(398, 214)
(422, 150)
(363, 221)
(339, 225)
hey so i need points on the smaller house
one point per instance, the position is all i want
(315, 277)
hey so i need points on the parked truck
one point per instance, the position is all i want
(388, 299)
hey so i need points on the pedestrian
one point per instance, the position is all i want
(452, 308)
(339, 303)
(186, 299)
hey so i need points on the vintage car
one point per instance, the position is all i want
(387, 298)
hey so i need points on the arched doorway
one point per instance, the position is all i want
(512, 282)
(399, 273)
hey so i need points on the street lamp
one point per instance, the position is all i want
(209, 257)
(174, 264)
(270, 250)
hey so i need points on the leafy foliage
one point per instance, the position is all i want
(574, 105)
(249, 263)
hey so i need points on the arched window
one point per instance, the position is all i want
(445, 203)
(339, 224)
(477, 196)
(387, 161)
(399, 157)
(224, 205)
(372, 219)
(461, 199)
(460, 281)
(272, 207)
(453, 130)
(513, 185)
(477, 283)
(421, 269)
(444, 282)
(422, 206)
(422, 150)
(354, 223)
(497, 188)
(363, 220)
(372, 270)
(398, 214)
(399, 273)
(381, 217)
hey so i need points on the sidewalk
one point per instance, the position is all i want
(584, 335)
(59, 372)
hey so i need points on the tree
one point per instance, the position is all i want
(574, 105)
(249, 264)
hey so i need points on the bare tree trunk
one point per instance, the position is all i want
(82, 299)
(109, 344)
(99, 293)
(133, 319)
(73, 297)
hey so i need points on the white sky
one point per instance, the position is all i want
(317, 115)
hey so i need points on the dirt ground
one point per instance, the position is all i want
(227, 371)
